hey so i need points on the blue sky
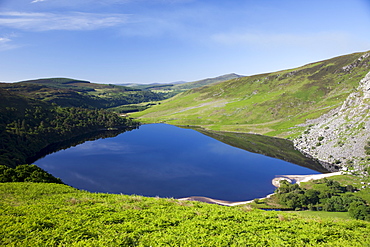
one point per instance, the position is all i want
(120, 41)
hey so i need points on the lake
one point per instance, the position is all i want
(168, 161)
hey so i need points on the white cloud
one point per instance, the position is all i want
(37, 1)
(6, 44)
(54, 21)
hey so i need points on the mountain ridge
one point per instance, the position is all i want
(181, 86)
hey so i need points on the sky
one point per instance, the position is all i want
(148, 41)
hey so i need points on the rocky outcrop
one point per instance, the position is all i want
(361, 61)
(339, 139)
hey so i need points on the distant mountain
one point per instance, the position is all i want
(204, 82)
(79, 93)
(150, 84)
(180, 86)
(178, 82)
(55, 81)
(332, 94)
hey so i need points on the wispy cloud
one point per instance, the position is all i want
(55, 21)
(37, 1)
(6, 44)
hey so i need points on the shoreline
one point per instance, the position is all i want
(290, 178)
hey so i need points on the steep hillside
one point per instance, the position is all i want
(76, 93)
(342, 136)
(269, 103)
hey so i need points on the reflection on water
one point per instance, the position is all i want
(266, 145)
(92, 136)
(167, 161)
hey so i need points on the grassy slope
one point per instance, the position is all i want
(269, 104)
(57, 215)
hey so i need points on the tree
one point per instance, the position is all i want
(359, 210)
(341, 203)
(312, 196)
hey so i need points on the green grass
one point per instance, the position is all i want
(57, 215)
(322, 215)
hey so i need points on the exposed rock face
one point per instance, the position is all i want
(359, 62)
(338, 138)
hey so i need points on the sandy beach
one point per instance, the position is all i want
(305, 178)
(276, 182)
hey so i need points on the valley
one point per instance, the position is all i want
(320, 110)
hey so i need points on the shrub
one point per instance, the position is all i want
(359, 210)
(26, 173)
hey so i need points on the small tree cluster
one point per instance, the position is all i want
(330, 197)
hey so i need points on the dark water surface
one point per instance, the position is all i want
(167, 161)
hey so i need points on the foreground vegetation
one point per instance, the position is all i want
(36, 214)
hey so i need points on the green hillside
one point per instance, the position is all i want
(271, 104)
(36, 214)
(77, 93)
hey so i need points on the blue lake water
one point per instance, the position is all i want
(167, 161)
